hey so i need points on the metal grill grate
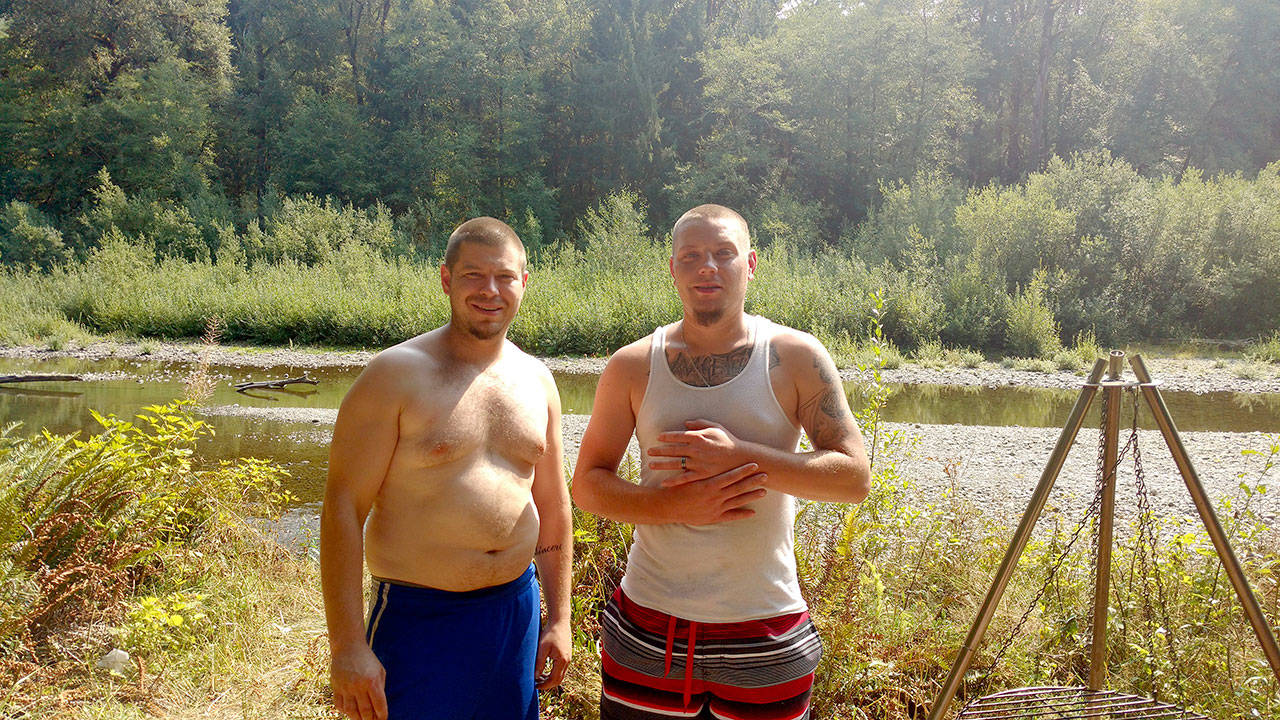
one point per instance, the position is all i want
(1071, 703)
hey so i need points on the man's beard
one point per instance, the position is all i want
(707, 317)
(483, 332)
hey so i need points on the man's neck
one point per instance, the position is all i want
(722, 336)
(467, 348)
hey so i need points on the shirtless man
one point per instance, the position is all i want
(716, 401)
(449, 443)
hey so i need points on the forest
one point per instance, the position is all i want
(1117, 156)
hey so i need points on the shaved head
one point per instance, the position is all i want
(717, 214)
(486, 231)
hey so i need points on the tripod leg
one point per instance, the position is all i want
(1106, 525)
(1238, 580)
(1018, 544)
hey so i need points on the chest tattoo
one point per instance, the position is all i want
(709, 370)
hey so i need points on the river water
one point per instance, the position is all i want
(123, 387)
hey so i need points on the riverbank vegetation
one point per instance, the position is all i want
(1083, 253)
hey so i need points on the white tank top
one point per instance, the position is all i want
(731, 571)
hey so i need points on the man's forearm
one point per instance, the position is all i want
(827, 475)
(601, 492)
(342, 576)
(554, 558)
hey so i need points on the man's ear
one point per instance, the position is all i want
(524, 279)
(445, 279)
(751, 265)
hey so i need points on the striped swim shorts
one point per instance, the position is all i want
(752, 670)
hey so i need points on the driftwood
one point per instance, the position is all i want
(272, 384)
(39, 378)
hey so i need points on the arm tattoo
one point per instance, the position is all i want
(547, 549)
(822, 415)
(709, 370)
(774, 359)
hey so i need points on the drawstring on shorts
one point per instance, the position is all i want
(688, 656)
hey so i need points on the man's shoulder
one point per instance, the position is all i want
(519, 362)
(633, 356)
(794, 345)
(417, 352)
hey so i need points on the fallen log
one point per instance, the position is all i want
(272, 384)
(39, 378)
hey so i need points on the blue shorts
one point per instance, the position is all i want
(458, 655)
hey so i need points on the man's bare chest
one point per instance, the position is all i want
(498, 419)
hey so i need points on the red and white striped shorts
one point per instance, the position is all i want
(752, 670)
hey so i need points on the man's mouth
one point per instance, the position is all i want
(706, 289)
(487, 309)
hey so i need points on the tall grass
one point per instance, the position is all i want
(579, 302)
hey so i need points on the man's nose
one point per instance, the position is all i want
(490, 285)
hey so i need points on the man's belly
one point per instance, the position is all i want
(452, 533)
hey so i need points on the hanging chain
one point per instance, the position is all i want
(1147, 541)
(1057, 564)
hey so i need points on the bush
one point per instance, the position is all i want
(976, 308)
(925, 209)
(164, 228)
(614, 235)
(81, 521)
(309, 230)
(1266, 349)
(1030, 329)
(27, 240)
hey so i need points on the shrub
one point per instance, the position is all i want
(923, 209)
(309, 230)
(977, 308)
(1266, 349)
(1030, 329)
(798, 224)
(83, 522)
(163, 227)
(27, 240)
(614, 234)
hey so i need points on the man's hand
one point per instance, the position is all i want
(719, 498)
(359, 684)
(702, 450)
(555, 644)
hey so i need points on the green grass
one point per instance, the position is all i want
(1265, 349)
(1025, 364)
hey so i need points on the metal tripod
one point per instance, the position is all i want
(1113, 386)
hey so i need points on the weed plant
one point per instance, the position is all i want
(1266, 349)
(935, 355)
(117, 540)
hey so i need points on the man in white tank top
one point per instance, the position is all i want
(709, 620)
